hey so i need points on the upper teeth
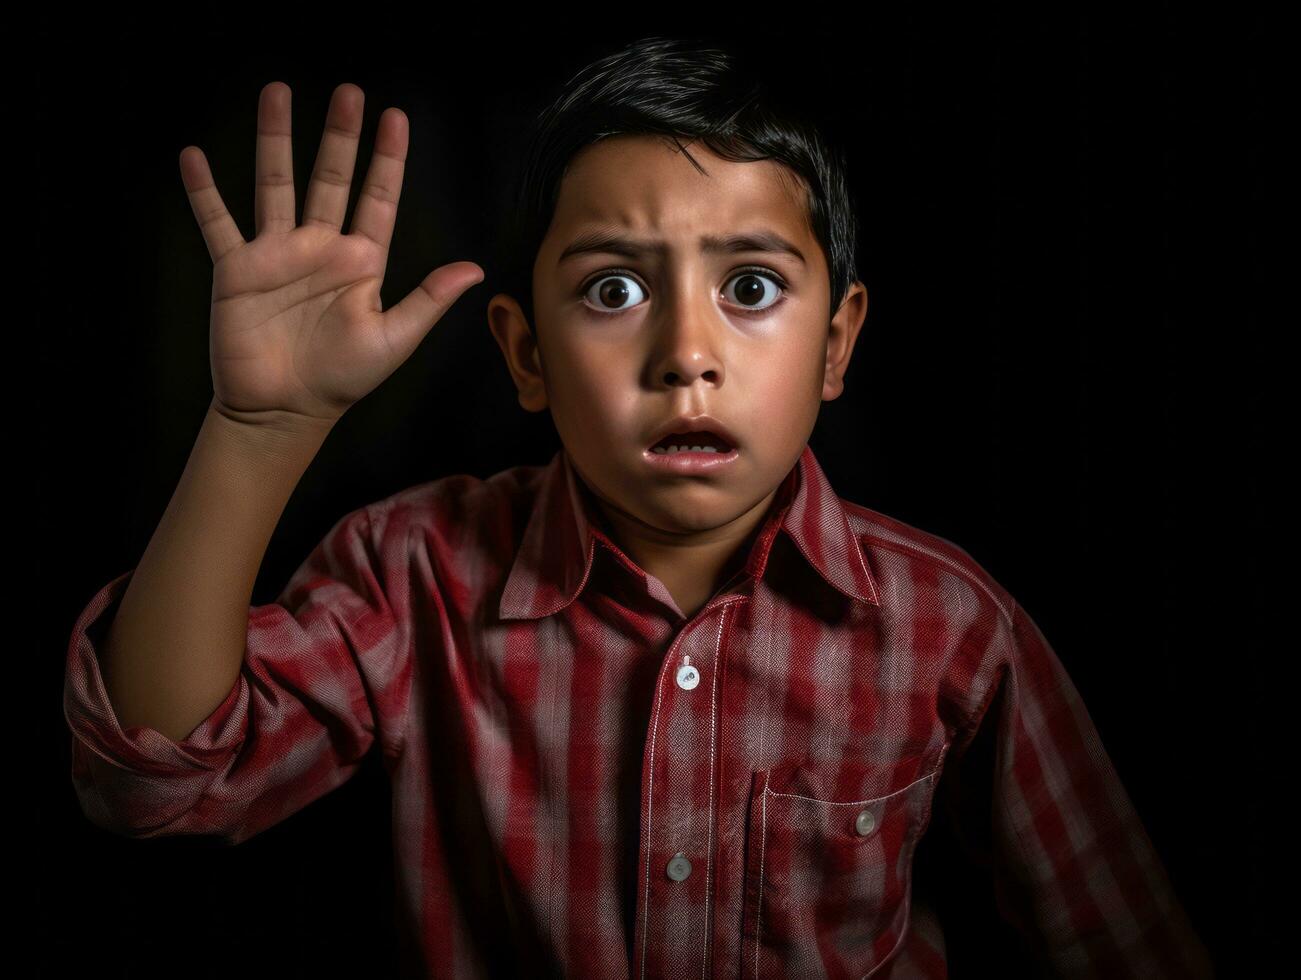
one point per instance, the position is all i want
(686, 449)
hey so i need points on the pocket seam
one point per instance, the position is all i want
(874, 799)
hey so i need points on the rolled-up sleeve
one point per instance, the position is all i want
(1074, 870)
(325, 675)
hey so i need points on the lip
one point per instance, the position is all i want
(689, 463)
(694, 423)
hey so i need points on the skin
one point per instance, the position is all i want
(685, 331)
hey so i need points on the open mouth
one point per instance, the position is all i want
(691, 442)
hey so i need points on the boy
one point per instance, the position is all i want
(667, 706)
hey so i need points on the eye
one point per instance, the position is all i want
(613, 289)
(616, 291)
(750, 291)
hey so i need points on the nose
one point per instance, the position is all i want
(688, 344)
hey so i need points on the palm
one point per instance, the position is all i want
(297, 324)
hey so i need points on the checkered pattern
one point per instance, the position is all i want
(588, 783)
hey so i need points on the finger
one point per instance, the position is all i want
(377, 205)
(273, 192)
(409, 321)
(327, 192)
(220, 232)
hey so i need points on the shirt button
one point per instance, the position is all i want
(865, 823)
(688, 676)
(679, 867)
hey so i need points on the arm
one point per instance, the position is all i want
(1074, 869)
(200, 715)
(176, 644)
(324, 673)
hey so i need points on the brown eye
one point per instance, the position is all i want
(612, 294)
(756, 290)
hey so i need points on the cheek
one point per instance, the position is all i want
(793, 376)
(595, 395)
(790, 403)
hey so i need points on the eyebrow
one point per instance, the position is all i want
(616, 243)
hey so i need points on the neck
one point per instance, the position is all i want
(692, 566)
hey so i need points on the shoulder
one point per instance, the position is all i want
(460, 511)
(902, 554)
(460, 496)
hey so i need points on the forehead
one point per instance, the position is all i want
(647, 183)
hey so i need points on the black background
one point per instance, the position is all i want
(1060, 372)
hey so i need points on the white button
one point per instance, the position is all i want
(688, 676)
(679, 867)
(865, 823)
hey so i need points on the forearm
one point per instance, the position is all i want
(174, 649)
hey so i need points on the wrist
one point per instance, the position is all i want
(283, 435)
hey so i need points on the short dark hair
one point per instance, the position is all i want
(677, 88)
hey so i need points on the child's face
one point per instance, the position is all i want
(685, 331)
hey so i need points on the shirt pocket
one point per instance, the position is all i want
(828, 877)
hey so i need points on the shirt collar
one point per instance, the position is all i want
(565, 526)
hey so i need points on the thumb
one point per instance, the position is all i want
(420, 309)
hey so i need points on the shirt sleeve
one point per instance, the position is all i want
(1073, 868)
(324, 676)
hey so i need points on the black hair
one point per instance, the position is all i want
(677, 88)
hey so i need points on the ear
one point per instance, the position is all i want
(508, 324)
(845, 327)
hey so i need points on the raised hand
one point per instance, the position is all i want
(297, 330)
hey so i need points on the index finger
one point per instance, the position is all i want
(377, 205)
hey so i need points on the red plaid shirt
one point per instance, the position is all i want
(587, 782)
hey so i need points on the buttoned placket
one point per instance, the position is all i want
(673, 860)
